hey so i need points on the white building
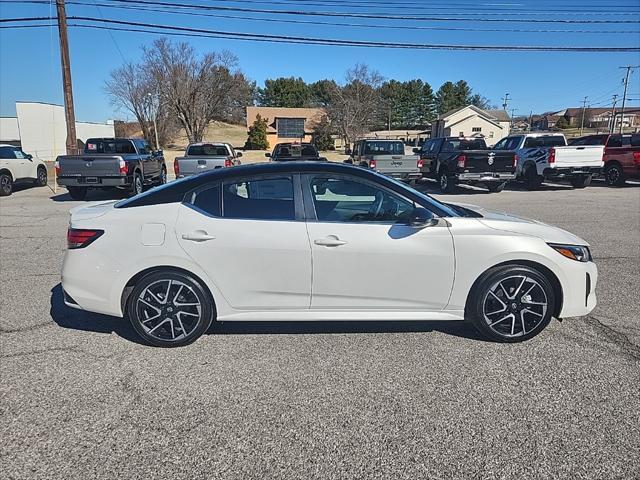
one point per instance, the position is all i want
(41, 129)
(471, 121)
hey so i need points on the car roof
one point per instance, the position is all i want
(200, 144)
(8, 145)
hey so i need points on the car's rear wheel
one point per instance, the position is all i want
(78, 193)
(614, 175)
(511, 303)
(170, 309)
(162, 179)
(41, 178)
(581, 181)
(447, 183)
(532, 180)
(6, 184)
(137, 186)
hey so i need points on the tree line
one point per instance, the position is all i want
(174, 87)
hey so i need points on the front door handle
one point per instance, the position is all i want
(198, 236)
(329, 241)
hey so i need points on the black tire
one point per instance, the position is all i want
(614, 175)
(162, 179)
(532, 180)
(6, 184)
(486, 295)
(78, 193)
(170, 329)
(496, 187)
(41, 177)
(137, 184)
(446, 182)
(581, 181)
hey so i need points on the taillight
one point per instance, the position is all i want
(228, 162)
(462, 161)
(552, 155)
(176, 166)
(420, 163)
(636, 157)
(56, 166)
(515, 161)
(123, 167)
(80, 237)
(372, 164)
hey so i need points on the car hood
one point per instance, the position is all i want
(507, 222)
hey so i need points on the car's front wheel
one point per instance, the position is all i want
(41, 178)
(170, 308)
(511, 303)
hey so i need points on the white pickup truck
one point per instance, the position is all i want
(201, 157)
(546, 156)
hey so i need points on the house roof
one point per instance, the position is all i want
(499, 115)
(311, 116)
(576, 112)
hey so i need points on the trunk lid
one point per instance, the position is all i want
(578, 156)
(479, 161)
(396, 163)
(196, 164)
(91, 210)
(89, 165)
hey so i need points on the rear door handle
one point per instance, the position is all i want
(197, 236)
(329, 241)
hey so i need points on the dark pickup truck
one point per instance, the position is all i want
(111, 163)
(455, 160)
(287, 152)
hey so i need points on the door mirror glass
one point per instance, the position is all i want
(421, 217)
(238, 154)
(29, 156)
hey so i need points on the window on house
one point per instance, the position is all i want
(290, 127)
(476, 129)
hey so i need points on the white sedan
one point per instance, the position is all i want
(317, 241)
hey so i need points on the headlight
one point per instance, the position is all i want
(574, 252)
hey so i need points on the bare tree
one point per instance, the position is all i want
(196, 89)
(353, 107)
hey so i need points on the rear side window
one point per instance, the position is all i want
(532, 142)
(208, 200)
(259, 199)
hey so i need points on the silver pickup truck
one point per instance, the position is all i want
(201, 157)
(386, 157)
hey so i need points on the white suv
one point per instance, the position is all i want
(17, 166)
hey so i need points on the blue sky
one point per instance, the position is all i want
(538, 81)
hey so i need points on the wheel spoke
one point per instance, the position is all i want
(501, 320)
(159, 325)
(524, 279)
(524, 329)
(531, 311)
(498, 298)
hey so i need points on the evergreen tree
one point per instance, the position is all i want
(322, 135)
(257, 138)
(284, 92)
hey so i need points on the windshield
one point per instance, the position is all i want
(384, 148)
(208, 150)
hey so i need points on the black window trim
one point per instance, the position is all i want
(309, 204)
(186, 200)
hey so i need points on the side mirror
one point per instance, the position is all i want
(421, 217)
(29, 156)
(157, 153)
(238, 154)
(347, 151)
(267, 154)
(417, 150)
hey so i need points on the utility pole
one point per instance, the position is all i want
(513, 110)
(584, 107)
(530, 119)
(505, 101)
(624, 96)
(69, 115)
(155, 106)
(612, 127)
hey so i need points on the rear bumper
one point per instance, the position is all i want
(403, 175)
(486, 177)
(94, 181)
(571, 171)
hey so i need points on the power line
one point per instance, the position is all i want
(337, 42)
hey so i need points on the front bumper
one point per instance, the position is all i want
(579, 288)
(486, 177)
(93, 181)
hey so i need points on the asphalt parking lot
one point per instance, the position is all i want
(81, 398)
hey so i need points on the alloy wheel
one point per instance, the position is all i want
(613, 176)
(514, 306)
(168, 310)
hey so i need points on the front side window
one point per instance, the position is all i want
(290, 127)
(259, 199)
(143, 147)
(350, 200)
(9, 152)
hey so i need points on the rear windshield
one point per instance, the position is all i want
(105, 145)
(384, 148)
(208, 150)
(296, 150)
(452, 144)
(546, 141)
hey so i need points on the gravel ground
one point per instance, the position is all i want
(81, 398)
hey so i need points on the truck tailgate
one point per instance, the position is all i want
(194, 165)
(480, 161)
(89, 165)
(580, 156)
(396, 164)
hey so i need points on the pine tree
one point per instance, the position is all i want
(257, 139)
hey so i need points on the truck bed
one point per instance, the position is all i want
(192, 165)
(398, 166)
(571, 157)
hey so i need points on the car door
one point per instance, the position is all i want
(149, 162)
(249, 236)
(366, 256)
